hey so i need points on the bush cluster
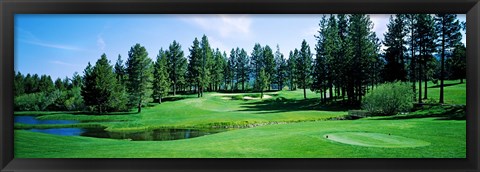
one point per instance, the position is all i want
(389, 99)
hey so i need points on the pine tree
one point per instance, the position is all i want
(100, 86)
(206, 64)
(412, 47)
(362, 48)
(394, 40)
(269, 64)
(425, 39)
(457, 64)
(232, 64)
(280, 69)
(218, 66)
(120, 70)
(262, 81)
(19, 84)
(161, 82)
(256, 63)
(46, 84)
(138, 68)
(59, 84)
(175, 61)
(194, 65)
(242, 67)
(291, 71)
(304, 64)
(448, 37)
(319, 72)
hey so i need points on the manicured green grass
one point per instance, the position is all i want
(454, 91)
(283, 124)
(446, 139)
(212, 110)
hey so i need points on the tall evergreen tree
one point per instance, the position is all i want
(242, 67)
(59, 84)
(425, 39)
(457, 64)
(394, 40)
(291, 71)
(411, 20)
(262, 81)
(218, 66)
(19, 84)
(232, 68)
(175, 58)
(100, 86)
(161, 82)
(319, 72)
(46, 84)
(362, 48)
(269, 64)
(139, 76)
(448, 37)
(120, 70)
(76, 80)
(256, 62)
(280, 69)
(206, 62)
(195, 65)
(304, 64)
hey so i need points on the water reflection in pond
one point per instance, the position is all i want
(149, 135)
(152, 135)
(32, 120)
(61, 131)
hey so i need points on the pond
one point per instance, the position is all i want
(32, 120)
(152, 135)
(148, 135)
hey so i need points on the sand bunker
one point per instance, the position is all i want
(374, 140)
(256, 98)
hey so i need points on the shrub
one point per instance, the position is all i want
(389, 99)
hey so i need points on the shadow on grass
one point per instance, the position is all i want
(246, 91)
(281, 104)
(445, 85)
(455, 112)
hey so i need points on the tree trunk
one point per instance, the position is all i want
(160, 100)
(425, 97)
(243, 85)
(442, 70)
(420, 83)
(304, 93)
(174, 88)
(330, 89)
(140, 106)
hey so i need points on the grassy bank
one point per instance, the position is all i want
(283, 124)
(446, 139)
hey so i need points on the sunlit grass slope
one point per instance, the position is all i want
(306, 139)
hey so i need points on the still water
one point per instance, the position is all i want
(147, 135)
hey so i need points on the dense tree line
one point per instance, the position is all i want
(346, 62)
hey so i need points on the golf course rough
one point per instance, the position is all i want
(370, 139)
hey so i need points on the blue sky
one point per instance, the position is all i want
(59, 45)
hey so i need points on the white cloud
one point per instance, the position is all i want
(30, 38)
(64, 63)
(51, 45)
(226, 26)
(101, 42)
(380, 22)
(218, 44)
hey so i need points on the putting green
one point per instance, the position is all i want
(374, 140)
